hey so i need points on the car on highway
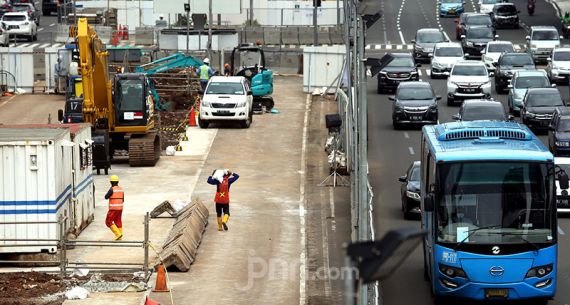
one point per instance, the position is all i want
(445, 55)
(523, 80)
(486, 6)
(425, 41)
(493, 50)
(540, 42)
(466, 20)
(410, 190)
(468, 80)
(562, 196)
(30, 9)
(559, 133)
(481, 110)
(451, 8)
(414, 103)
(397, 68)
(507, 65)
(227, 98)
(539, 105)
(20, 24)
(558, 67)
(475, 40)
(505, 15)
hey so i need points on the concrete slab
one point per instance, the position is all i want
(272, 36)
(290, 35)
(126, 298)
(306, 35)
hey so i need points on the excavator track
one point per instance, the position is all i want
(144, 150)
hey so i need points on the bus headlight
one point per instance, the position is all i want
(452, 271)
(413, 195)
(539, 271)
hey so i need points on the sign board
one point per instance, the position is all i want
(198, 6)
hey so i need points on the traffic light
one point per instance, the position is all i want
(317, 3)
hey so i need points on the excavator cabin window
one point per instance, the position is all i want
(130, 102)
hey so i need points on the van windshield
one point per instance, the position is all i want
(545, 35)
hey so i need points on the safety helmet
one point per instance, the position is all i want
(206, 60)
(114, 178)
(226, 65)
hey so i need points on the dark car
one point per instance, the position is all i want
(414, 103)
(505, 15)
(507, 64)
(425, 41)
(395, 68)
(30, 8)
(410, 190)
(559, 133)
(539, 105)
(476, 39)
(471, 20)
(482, 110)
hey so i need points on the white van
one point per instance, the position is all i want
(227, 98)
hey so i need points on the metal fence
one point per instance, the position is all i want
(64, 244)
(287, 16)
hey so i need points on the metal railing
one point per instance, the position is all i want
(64, 245)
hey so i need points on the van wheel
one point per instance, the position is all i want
(203, 123)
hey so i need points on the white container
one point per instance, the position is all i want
(321, 66)
(63, 178)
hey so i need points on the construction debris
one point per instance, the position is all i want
(172, 125)
(181, 246)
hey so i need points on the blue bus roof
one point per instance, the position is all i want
(485, 140)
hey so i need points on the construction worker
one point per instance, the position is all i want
(116, 198)
(566, 18)
(222, 179)
(227, 70)
(205, 72)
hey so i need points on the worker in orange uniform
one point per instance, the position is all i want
(222, 179)
(116, 198)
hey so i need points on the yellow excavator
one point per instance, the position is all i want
(121, 111)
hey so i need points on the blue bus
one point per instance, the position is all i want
(488, 202)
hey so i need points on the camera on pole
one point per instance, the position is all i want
(317, 3)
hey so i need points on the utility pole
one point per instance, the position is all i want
(337, 12)
(141, 14)
(187, 9)
(315, 29)
(210, 20)
(250, 12)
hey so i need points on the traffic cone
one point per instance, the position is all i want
(178, 147)
(150, 302)
(192, 118)
(161, 280)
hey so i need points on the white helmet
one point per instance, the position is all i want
(206, 60)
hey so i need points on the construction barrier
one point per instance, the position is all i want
(306, 35)
(324, 35)
(272, 36)
(290, 35)
(181, 246)
(337, 35)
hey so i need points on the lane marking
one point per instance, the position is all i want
(45, 45)
(34, 45)
(428, 72)
(303, 255)
(419, 72)
(52, 24)
(367, 47)
(406, 135)
(331, 205)
(411, 149)
(40, 29)
(560, 231)
(398, 22)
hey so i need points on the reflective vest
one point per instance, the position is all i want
(204, 72)
(223, 193)
(116, 200)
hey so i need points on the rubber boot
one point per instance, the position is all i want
(226, 219)
(116, 231)
(220, 224)
(120, 232)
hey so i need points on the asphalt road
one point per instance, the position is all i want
(391, 151)
(46, 33)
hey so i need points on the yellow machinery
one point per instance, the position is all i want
(121, 112)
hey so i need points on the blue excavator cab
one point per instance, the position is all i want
(248, 60)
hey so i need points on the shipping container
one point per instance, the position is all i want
(46, 174)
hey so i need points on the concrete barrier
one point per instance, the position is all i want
(324, 35)
(252, 34)
(272, 36)
(290, 35)
(336, 35)
(306, 35)
(144, 36)
(181, 246)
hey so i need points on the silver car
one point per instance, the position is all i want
(490, 55)
(558, 68)
(520, 83)
(445, 55)
(541, 41)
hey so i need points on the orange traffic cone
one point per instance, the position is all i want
(161, 280)
(192, 118)
(150, 302)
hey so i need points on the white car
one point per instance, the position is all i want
(486, 6)
(445, 55)
(227, 98)
(558, 67)
(541, 41)
(562, 201)
(490, 55)
(468, 80)
(20, 24)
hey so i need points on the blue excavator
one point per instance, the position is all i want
(248, 60)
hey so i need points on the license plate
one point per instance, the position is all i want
(416, 118)
(223, 111)
(562, 201)
(496, 293)
(451, 11)
(469, 90)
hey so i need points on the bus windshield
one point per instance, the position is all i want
(510, 200)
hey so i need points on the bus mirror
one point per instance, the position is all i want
(563, 180)
(429, 202)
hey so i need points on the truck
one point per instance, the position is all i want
(488, 205)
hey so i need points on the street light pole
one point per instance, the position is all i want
(210, 19)
(187, 9)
